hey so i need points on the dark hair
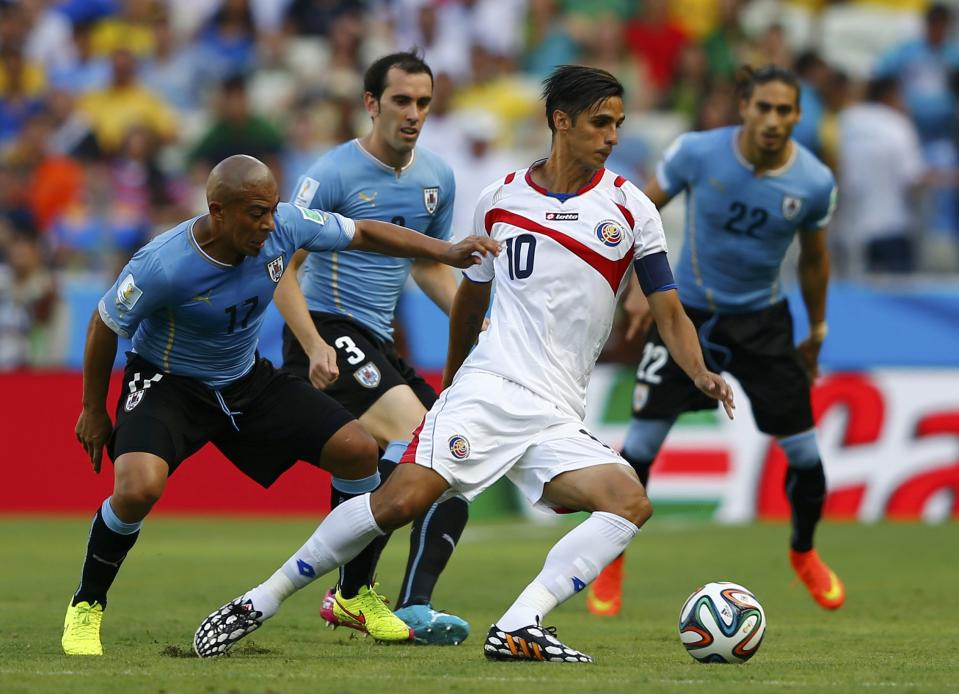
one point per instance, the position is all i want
(882, 88)
(938, 13)
(576, 88)
(374, 81)
(748, 77)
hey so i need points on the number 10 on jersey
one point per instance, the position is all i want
(520, 253)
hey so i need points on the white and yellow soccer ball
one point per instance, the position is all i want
(722, 622)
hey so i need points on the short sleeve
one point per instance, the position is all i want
(484, 271)
(441, 225)
(140, 289)
(315, 230)
(648, 234)
(823, 206)
(676, 169)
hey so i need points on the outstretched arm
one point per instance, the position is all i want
(292, 304)
(390, 239)
(682, 342)
(94, 425)
(466, 320)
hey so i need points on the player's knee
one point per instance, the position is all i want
(350, 453)
(396, 506)
(630, 502)
(133, 498)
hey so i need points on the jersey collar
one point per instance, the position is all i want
(772, 172)
(381, 164)
(203, 254)
(562, 197)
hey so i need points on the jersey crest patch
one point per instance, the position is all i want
(367, 375)
(306, 192)
(459, 447)
(791, 207)
(609, 233)
(128, 293)
(275, 267)
(431, 198)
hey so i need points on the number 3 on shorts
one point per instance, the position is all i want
(654, 358)
(354, 355)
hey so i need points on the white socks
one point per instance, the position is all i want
(341, 536)
(571, 565)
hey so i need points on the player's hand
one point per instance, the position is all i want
(93, 430)
(638, 316)
(716, 387)
(323, 368)
(469, 251)
(809, 354)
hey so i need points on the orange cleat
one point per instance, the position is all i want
(605, 595)
(824, 585)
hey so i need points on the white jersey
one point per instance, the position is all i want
(563, 266)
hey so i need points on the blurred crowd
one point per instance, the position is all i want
(113, 111)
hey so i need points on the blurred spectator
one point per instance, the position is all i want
(718, 108)
(549, 39)
(237, 130)
(33, 321)
(87, 71)
(837, 95)
(49, 39)
(129, 29)
(691, 84)
(49, 181)
(316, 17)
(656, 43)
(724, 45)
(123, 105)
(924, 68)
(228, 41)
(880, 167)
(813, 72)
(604, 48)
(304, 145)
(176, 73)
(20, 91)
(443, 131)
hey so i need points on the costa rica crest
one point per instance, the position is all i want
(609, 232)
(275, 268)
(459, 447)
(431, 198)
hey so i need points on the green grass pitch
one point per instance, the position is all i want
(898, 630)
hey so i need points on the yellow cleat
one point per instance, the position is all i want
(367, 612)
(81, 629)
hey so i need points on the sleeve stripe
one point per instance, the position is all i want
(620, 180)
(509, 178)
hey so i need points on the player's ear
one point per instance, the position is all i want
(372, 104)
(561, 120)
(216, 210)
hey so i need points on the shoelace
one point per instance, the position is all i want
(85, 622)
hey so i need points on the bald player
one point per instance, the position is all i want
(192, 301)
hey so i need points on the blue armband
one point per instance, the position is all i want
(654, 273)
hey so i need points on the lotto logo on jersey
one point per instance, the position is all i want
(609, 233)
(562, 216)
(459, 447)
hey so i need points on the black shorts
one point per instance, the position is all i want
(368, 366)
(756, 348)
(277, 419)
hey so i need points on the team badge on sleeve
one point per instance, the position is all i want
(313, 215)
(431, 198)
(306, 192)
(791, 207)
(275, 268)
(459, 447)
(128, 293)
(609, 233)
(367, 375)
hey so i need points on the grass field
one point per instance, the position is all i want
(898, 631)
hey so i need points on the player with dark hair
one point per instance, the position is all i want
(193, 301)
(514, 406)
(750, 190)
(341, 336)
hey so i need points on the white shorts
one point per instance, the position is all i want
(484, 426)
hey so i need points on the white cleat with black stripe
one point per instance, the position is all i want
(534, 642)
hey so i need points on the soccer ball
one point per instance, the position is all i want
(722, 623)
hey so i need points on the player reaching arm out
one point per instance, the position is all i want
(813, 280)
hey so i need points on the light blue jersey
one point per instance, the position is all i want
(349, 180)
(194, 316)
(739, 225)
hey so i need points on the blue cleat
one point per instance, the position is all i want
(434, 628)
